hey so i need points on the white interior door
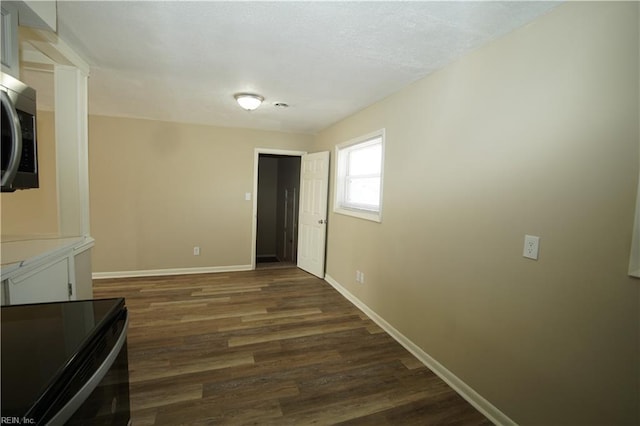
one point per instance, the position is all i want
(312, 224)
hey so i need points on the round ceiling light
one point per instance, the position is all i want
(248, 101)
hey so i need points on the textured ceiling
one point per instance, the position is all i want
(183, 61)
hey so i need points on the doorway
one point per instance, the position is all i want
(277, 196)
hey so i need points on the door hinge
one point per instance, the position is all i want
(70, 288)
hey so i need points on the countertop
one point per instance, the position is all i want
(17, 252)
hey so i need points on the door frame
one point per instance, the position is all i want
(254, 216)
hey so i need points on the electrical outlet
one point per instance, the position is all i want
(196, 251)
(358, 276)
(531, 247)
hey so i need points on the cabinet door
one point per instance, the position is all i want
(48, 283)
(4, 299)
(9, 28)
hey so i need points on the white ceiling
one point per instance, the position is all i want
(183, 61)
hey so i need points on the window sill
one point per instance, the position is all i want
(360, 214)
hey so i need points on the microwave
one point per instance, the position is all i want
(19, 146)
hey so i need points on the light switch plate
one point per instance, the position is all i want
(531, 247)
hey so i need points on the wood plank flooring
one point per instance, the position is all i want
(274, 347)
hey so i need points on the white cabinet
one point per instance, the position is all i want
(47, 283)
(47, 271)
(634, 260)
(41, 15)
(9, 40)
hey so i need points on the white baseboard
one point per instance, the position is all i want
(464, 390)
(171, 271)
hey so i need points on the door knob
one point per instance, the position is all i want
(321, 221)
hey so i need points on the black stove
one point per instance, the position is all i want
(65, 363)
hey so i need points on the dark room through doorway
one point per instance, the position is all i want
(277, 210)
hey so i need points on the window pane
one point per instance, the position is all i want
(363, 191)
(365, 161)
(359, 177)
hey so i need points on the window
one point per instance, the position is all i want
(359, 177)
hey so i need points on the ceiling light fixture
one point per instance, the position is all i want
(248, 101)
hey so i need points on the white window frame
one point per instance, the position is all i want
(342, 151)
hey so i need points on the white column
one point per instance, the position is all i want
(71, 121)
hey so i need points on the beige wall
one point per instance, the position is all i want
(34, 212)
(535, 133)
(157, 189)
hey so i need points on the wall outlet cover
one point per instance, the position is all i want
(531, 247)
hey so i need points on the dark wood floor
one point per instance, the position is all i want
(273, 346)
